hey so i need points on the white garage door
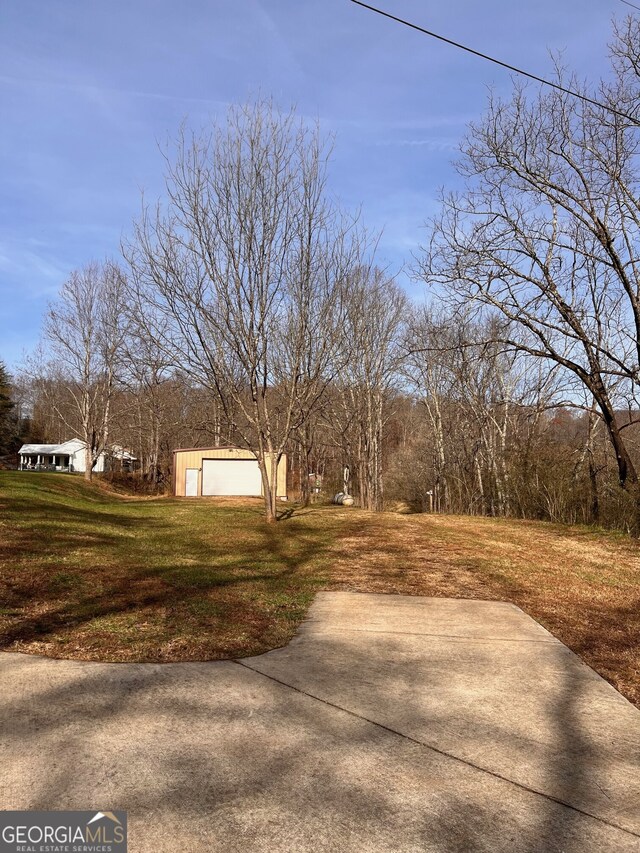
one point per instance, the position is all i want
(231, 477)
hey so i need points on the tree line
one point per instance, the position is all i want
(247, 308)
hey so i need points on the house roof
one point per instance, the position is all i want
(72, 445)
(45, 449)
(67, 447)
(119, 452)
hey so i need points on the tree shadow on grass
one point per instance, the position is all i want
(200, 594)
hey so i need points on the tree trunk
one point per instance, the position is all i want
(627, 474)
(478, 468)
(305, 466)
(88, 462)
(275, 459)
(268, 490)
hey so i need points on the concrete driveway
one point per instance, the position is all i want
(390, 723)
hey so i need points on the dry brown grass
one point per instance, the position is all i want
(582, 585)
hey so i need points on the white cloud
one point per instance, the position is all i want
(30, 262)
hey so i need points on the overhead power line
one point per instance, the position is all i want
(633, 5)
(497, 61)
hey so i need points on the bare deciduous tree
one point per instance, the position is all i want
(474, 393)
(246, 271)
(84, 329)
(371, 334)
(547, 234)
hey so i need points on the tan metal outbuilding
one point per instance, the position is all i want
(231, 471)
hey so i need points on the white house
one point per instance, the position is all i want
(68, 456)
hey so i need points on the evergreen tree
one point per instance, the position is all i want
(7, 417)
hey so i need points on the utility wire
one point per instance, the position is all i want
(633, 6)
(497, 61)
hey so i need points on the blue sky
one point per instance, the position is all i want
(88, 90)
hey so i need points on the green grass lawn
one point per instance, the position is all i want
(88, 574)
